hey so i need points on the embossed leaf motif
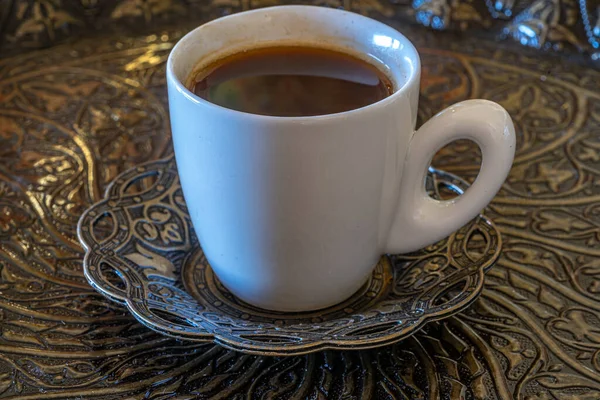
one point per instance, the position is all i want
(179, 201)
(367, 6)
(157, 225)
(170, 233)
(127, 118)
(7, 278)
(73, 370)
(44, 17)
(18, 384)
(160, 216)
(540, 310)
(54, 94)
(131, 8)
(7, 191)
(529, 101)
(589, 154)
(463, 13)
(592, 271)
(145, 8)
(559, 220)
(453, 367)
(469, 367)
(512, 349)
(20, 338)
(167, 392)
(555, 175)
(48, 171)
(543, 307)
(577, 323)
(477, 371)
(537, 258)
(540, 24)
(151, 231)
(11, 279)
(570, 387)
(546, 296)
(30, 26)
(11, 218)
(6, 381)
(102, 120)
(548, 177)
(484, 307)
(154, 265)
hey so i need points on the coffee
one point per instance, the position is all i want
(291, 81)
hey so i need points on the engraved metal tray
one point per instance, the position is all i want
(141, 251)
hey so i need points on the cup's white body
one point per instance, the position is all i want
(293, 213)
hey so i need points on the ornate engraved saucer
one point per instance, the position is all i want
(141, 251)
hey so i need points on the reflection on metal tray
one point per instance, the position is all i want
(563, 26)
(72, 118)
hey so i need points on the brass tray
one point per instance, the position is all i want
(74, 117)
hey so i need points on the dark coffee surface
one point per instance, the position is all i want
(291, 81)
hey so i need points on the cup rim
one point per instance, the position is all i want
(401, 91)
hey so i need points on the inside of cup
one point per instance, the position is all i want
(297, 25)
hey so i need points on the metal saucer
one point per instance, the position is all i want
(141, 251)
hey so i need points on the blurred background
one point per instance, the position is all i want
(571, 27)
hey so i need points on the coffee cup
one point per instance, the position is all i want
(293, 213)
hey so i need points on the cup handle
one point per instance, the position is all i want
(421, 220)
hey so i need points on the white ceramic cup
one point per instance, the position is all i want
(293, 213)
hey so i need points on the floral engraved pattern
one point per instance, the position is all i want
(162, 226)
(42, 17)
(532, 333)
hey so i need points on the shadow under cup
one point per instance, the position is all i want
(292, 212)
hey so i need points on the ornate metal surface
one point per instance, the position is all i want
(141, 251)
(569, 26)
(74, 117)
